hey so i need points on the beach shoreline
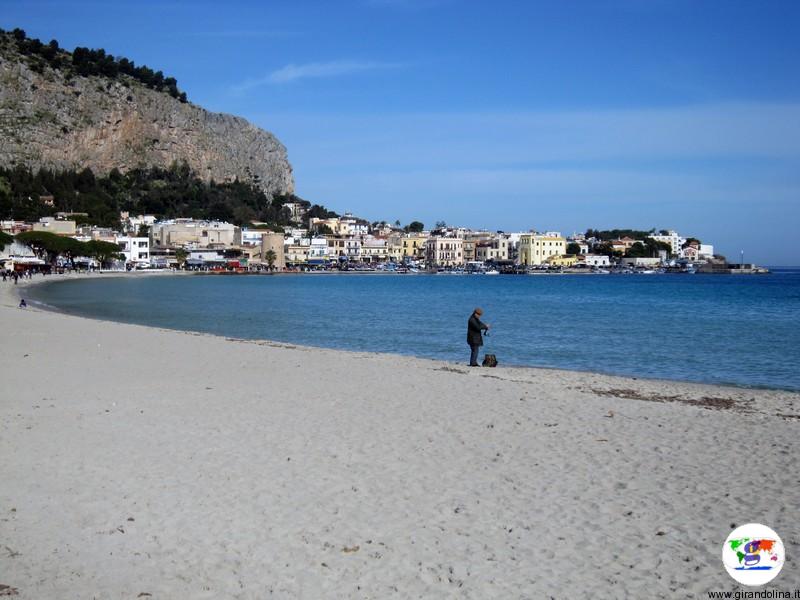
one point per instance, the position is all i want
(53, 279)
(180, 464)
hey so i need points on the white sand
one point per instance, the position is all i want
(141, 461)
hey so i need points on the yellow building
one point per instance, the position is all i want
(333, 224)
(337, 246)
(413, 246)
(395, 249)
(563, 260)
(535, 249)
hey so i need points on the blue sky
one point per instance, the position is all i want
(506, 115)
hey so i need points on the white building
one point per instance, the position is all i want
(596, 260)
(297, 211)
(374, 250)
(87, 233)
(584, 247)
(494, 249)
(672, 238)
(252, 237)
(132, 224)
(513, 245)
(318, 250)
(444, 252)
(352, 248)
(135, 249)
(18, 254)
(298, 232)
(690, 253)
(199, 259)
(348, 225)
(206, 255)
(641, 261)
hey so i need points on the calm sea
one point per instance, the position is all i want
(742, 330)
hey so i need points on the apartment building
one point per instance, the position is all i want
(444, 252)
(189, 233)
(413, 246)
(494, 249)
(535, 249)
(135, 249)
(674, 240)
(374, 250)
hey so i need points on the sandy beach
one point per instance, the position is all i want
(146, 463)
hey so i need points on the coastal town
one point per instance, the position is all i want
(347, 243)
(399, 299)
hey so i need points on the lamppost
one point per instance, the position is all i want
(741, 260)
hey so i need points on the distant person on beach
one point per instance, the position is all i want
(22, 303)
(475, 329)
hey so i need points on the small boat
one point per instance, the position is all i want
(492, 272)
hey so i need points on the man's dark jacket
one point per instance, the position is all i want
(474, 327)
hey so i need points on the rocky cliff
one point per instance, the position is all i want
(54, 119)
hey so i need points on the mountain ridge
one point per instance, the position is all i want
(59, 119)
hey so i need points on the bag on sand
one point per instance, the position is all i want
(490, 360)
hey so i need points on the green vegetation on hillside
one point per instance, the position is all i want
(86, 61)
(165, 193)
(615, 234)
(649, 248)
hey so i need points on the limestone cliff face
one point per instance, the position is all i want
(47, 120)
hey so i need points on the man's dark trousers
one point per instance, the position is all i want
(473, 357)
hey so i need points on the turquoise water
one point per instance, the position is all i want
(743, 330)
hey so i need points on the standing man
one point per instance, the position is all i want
(475, 327)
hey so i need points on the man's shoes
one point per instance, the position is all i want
(475, 365)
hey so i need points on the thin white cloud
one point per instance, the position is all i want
(330, 69)
(293, 72)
